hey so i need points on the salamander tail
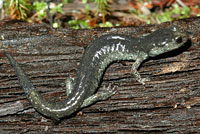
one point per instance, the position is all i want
(22, 76)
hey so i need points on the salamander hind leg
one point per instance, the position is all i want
(99, 96)
(69, 85)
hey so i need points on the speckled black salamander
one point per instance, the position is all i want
(97, 57)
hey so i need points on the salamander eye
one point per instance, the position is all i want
(179, 40)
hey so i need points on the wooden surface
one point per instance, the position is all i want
(168, 103)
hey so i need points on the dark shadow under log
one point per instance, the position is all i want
(168, 103)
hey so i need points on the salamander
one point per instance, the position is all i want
(98, 55)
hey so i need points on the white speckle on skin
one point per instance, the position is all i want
(96, 56)
(113, 48)
(99, 52)
(117, 37)
(81, 82)
(117, 47)
(107, 49)
(123, 48)
(164, 42)
(120, 45)
(103, 50)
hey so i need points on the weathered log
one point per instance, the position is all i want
(168, 103)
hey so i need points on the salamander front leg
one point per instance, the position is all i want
(99, 96)
(136, 74)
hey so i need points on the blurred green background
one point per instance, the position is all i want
(98, 13)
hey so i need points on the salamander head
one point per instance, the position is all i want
(167, 39)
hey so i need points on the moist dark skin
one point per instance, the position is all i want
(102, 52)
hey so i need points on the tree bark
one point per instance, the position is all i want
(168, 103)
